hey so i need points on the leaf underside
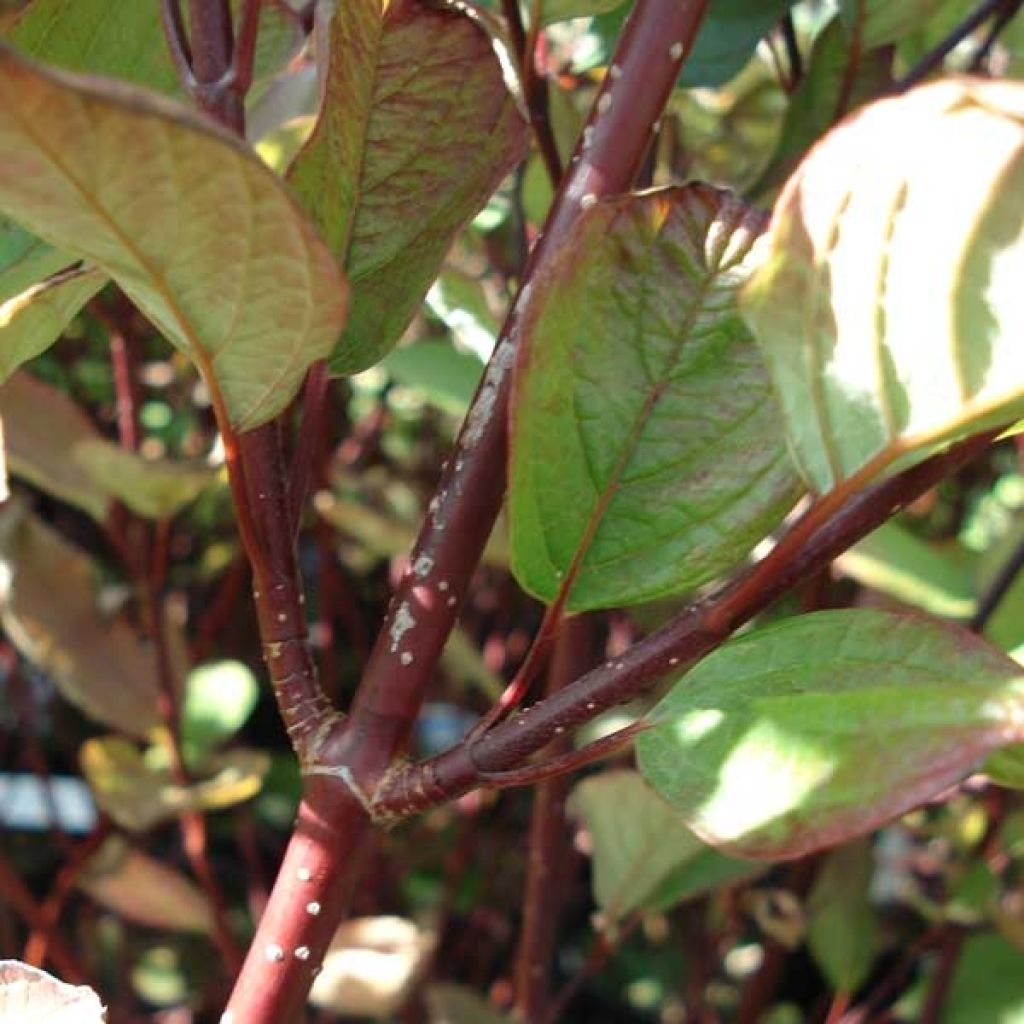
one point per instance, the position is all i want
(646, 451)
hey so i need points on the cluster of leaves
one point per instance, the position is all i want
(686, 373)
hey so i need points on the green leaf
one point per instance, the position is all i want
(890, 330)
(644, 856)
(460, 1004)
(101, 665)
(155, 489)
(33, 320)
(142, 889)
(139, 795)
(897, 562)
(25, 260)
(842, 931)
(987, 985)
(31, 996)
(839, 78)
(823, 727)
(219, 698)
(193, 227)
(416, 130)
(875, 23)
(646, 451)
(447, 377)
(563, 10)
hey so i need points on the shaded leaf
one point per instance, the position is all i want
(370, 966)
(219, 698)
(33, 320)
(416, 130)
(460, 1004)
(646, 450)
(876, 23)
(142, 889)
(446, 377)
(842, 930)
(644, 855)
(25, 260)
(42, 427)
(31, 996)
(101, 665)
(138, 795)
(563, 10)
(153, 488)
(876, 361)
(895, 561)
(987, 984)
(822, 727)
(190, 223)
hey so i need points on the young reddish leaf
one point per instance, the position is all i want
(33, 320)
(888, 306)
(646, 451)
(188, 221)
(417, 128)
(31, 996)
(99, 664)
(821, 728)
(644, 855)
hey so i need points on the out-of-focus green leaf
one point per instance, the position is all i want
(416, 130)
(42, 426)
(563, 10)
(646, 450)
(446, 377)
(460, 1004)
(459, 301)
(875, 23)
(644, 856)
(987, 985)
(31, 996)
(25, 260)
(156, 489)
(842, 930)
(219, 698)
(33, 320)
(154, 195)
(462, 660)
(860, 270)
(138, 796)
(896, 562)
(818, 729)
(836, 82)
(144, 890)
(48, 607)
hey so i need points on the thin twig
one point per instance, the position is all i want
(243, 55)
(934, 57)
(1003, 18)
(795, 61)
(1000, 586)
(307, 443)
(177, 43)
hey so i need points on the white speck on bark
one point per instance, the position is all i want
(274, 953)
(675, 51)
(302, 952)
(406, 658)
(422, 566)
(304, 875)
(313, 908)
(404, 621)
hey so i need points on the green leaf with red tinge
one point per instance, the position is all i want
(188, 221)
(889, 304)
(827, 725)
(647, 456)
(416, 130)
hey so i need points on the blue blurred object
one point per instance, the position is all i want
(441, 726)
(35, 804)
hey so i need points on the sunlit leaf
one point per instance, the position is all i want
(191, 224)
(806, 733)
(890, 330)
(33, 320)
(646, 451)
(138, 795)
(219, 698)
(644, 855)
(446, 377)
(370, 966)
(99, 664)
(987, 984)
(842, 930)
(417, 129)
(31, 996)
(143, 889)
(154, 488)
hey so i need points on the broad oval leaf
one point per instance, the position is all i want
(417, 128)
(188, 221)
(889, 305)
(31, 996)
(644, 855)
(987, 983)
(219, 698)
(33, 320)
(821, 728)
(99, 664)
(646, 451)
